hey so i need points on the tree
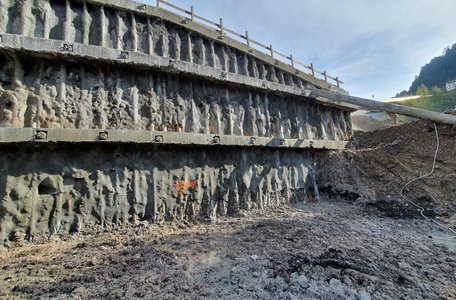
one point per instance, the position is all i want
(436, 92)
(422, 90)
(438, 71)
(404, 93)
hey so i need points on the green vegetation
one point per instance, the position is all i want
(435, 99)
(430, 84)
(437, 72)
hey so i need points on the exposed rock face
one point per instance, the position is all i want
(62, 189)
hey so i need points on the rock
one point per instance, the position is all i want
(143, 224)
(335, 282)
(364, 296)
(292, 297)
(302, 281)
(404, 265)
(93, 262)
(254, 257)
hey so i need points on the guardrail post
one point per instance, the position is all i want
(192, 12)
(247, 38)
(312, 69)
(292, 60)
(338, 81)
(221, 28)
(325, 75)
(272, 51)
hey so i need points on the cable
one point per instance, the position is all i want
(421, 177)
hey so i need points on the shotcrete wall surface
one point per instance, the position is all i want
(35, 93)
(110, 115)
(61, 188)
(131, 28)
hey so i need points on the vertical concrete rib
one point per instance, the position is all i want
(46, 26)
(61, 89)
(150, 41)
(22, 16)
(231, 115)
(3, 17)
(67, 22)
(189, 47)
(36, 121)
(262, 71)
(177, 45)
(234, 63)
(151, 103)
(85, 24)
(102, 26)
(118, 44)
(224, 58)
(101, 97)
(165, 43)
(245, 62)
(212, 58)
(202, 54)
(18, 74)
(134, 100)
(134, 34)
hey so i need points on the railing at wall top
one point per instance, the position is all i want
(248, 41)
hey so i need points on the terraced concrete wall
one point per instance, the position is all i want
(87, 91)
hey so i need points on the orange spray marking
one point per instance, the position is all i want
(182, 186)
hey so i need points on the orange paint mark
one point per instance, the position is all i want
(182, 186)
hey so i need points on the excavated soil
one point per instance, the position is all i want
(360, 241)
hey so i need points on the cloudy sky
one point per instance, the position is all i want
(375, 46)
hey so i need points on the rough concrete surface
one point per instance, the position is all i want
(107, 186)
(61, 189)
(49, 188)
(159, 34)
(50, 94)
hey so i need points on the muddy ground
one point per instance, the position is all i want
(360, 241)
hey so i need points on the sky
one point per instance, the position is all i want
(376, 47)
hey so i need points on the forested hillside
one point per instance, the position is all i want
(437, 72)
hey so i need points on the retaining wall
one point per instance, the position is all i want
(62, 188)
(53, 93)
(113, 112)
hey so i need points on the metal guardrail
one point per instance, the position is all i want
(289, 59)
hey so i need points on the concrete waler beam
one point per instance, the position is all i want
(387, 107)
(22, 135)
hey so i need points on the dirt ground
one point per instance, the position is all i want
(360, 241)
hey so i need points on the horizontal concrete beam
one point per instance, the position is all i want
(210, 33)
(34, 135)
(57, 48)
